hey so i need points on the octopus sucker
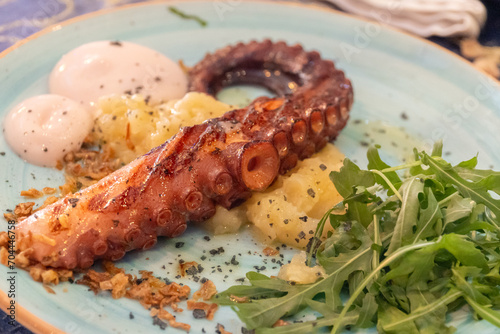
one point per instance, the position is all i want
(219, 162)
(99, 247)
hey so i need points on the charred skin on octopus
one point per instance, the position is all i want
(220, 161)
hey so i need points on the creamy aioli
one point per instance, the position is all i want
(102, 68)
(42, 129)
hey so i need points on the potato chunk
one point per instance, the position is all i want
(290, 209)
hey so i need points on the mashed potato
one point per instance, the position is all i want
(287, 212)
(297, 271)
(291, 208)
(132, 128)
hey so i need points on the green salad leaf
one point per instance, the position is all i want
(411, 243)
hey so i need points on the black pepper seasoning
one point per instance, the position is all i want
(199, 314)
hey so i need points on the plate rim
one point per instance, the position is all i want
(40, 326)
(28, 320)
(296, 3)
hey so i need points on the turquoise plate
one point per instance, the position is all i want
(399, 81)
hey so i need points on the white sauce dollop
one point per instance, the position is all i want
(42, 129)
(101, 68)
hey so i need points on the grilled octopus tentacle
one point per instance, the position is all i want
(218, 162)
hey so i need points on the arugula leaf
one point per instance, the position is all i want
(457, 209)
(460, 279)
(485, 312)
(437, 149)
(306, 327)
(265, 312)
(416, 169)
(468, 164)
(406, 251)
(388, 315)
(183, 15)
(347, 181)
(427, 218)
(477, 191)
(416, 265)
(367, 312)
(346, 262)
(398, 324)
(388, 260)
(350, 176)
(408, 214)
(375, 162)
(488, 178)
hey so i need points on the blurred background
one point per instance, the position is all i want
(445, 22)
